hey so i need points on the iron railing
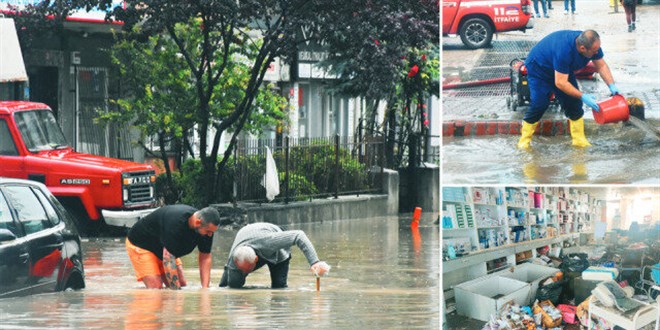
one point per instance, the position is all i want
(308, 168)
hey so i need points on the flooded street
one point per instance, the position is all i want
(619, 154)
(383, 276)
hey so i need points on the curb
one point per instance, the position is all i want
(498, 127)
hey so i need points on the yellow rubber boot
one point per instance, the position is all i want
(526, 133)
(577, 133)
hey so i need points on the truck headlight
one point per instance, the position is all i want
(125, 194)
(151, 192)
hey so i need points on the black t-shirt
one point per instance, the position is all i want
(168, 227)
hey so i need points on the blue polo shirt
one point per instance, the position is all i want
(557, 52)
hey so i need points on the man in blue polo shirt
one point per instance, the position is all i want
(550, 66)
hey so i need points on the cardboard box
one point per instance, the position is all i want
(479, 299)
(529, 273)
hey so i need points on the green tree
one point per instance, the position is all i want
(225, 32)
(386, 51)
(163, 103)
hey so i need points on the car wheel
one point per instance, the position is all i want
(74, 283)
(476, 33)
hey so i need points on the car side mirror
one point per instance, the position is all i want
(6, 235)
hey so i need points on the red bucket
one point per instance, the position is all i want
(612, 110)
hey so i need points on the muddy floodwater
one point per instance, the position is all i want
(384, 276)
(619, 154)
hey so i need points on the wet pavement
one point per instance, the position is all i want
(619, 154)
(634, 59)
(384, 275)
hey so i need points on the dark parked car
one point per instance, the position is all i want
(39, 246)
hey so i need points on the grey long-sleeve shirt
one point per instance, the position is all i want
(270, 243)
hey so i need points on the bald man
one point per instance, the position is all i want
(260, 244)
(550, 66)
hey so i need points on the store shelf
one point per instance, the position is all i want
(477, 257)
(457, 229)
(519, 209)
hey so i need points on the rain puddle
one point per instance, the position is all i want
(384, 275)
(619, 154)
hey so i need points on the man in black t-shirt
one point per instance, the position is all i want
(156, 242)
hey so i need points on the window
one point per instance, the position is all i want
(39, 130)
(7, 145)
(52, 214)
(6, 220)
(30, 213)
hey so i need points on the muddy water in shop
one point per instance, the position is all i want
(619, 154)
(384, 275)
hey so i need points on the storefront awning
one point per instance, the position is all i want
(12, 67)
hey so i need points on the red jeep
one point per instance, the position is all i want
(476, 20)
(91, 187)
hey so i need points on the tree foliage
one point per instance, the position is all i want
(222, 101)
(162, 98)
(371, 48)
(386, 51)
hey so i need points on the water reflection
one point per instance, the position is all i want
(384, 275)
(619, 154)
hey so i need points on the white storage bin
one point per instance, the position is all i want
(480, 299)
(529, 273)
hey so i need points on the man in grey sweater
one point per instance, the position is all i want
(260, 244)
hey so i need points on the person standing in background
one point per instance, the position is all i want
(536, 8)
(630, 6)
(572, 7)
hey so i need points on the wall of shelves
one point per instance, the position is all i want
(486, 229)
(478, 220)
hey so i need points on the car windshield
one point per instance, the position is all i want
(39, 130)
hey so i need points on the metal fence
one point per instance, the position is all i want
(308, 168)
(434, 150)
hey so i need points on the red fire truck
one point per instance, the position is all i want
(476, 20)
(92, 188)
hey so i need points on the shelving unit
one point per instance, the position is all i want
(485, 223)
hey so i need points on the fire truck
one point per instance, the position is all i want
(475, 21)
(96, 190)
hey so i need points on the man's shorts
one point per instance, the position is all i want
(145, 262)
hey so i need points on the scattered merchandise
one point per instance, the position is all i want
(582, 289)
(582, 311)
(511, 316)
(610, 294)
(484, 296)
(550, 289)
(549, 269)
(550, 316)
(568, 313)
(600, 273)
(575, 262)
